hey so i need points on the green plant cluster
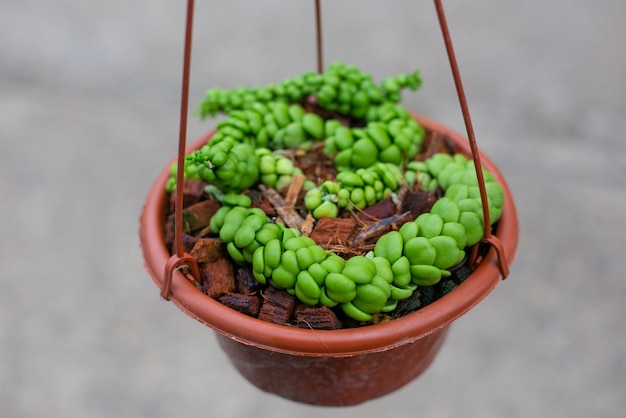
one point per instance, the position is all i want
(420, 253)
(353, 189)
(417, 172)
(341, 88)
(457, 176)
(391, 135)
(229, 161)
(277, 170)
(373, 161)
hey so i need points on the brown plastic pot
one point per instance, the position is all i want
(339, 367)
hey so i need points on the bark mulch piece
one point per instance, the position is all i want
(246, 304)
(278, 306)
(330, 232)
(218, 278)
(208, 250)
(316, 318)
(198, 216)
(245, 282)
(419, 202)
(380, 210)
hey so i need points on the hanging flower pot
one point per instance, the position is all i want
(376, 331)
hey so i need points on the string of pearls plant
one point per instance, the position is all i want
(373, 159)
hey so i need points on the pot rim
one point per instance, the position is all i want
(335, 343)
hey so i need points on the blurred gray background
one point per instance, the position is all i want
(89, 108)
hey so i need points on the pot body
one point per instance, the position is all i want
(333, 381)
(339, 367)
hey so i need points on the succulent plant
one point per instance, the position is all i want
(373, 142)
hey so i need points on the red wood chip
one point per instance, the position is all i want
(317, 318)
(218, 278)
(247, 304)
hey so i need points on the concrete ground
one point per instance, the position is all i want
(89, 107)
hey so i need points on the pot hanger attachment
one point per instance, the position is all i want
(181, 259)
(488, 237)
